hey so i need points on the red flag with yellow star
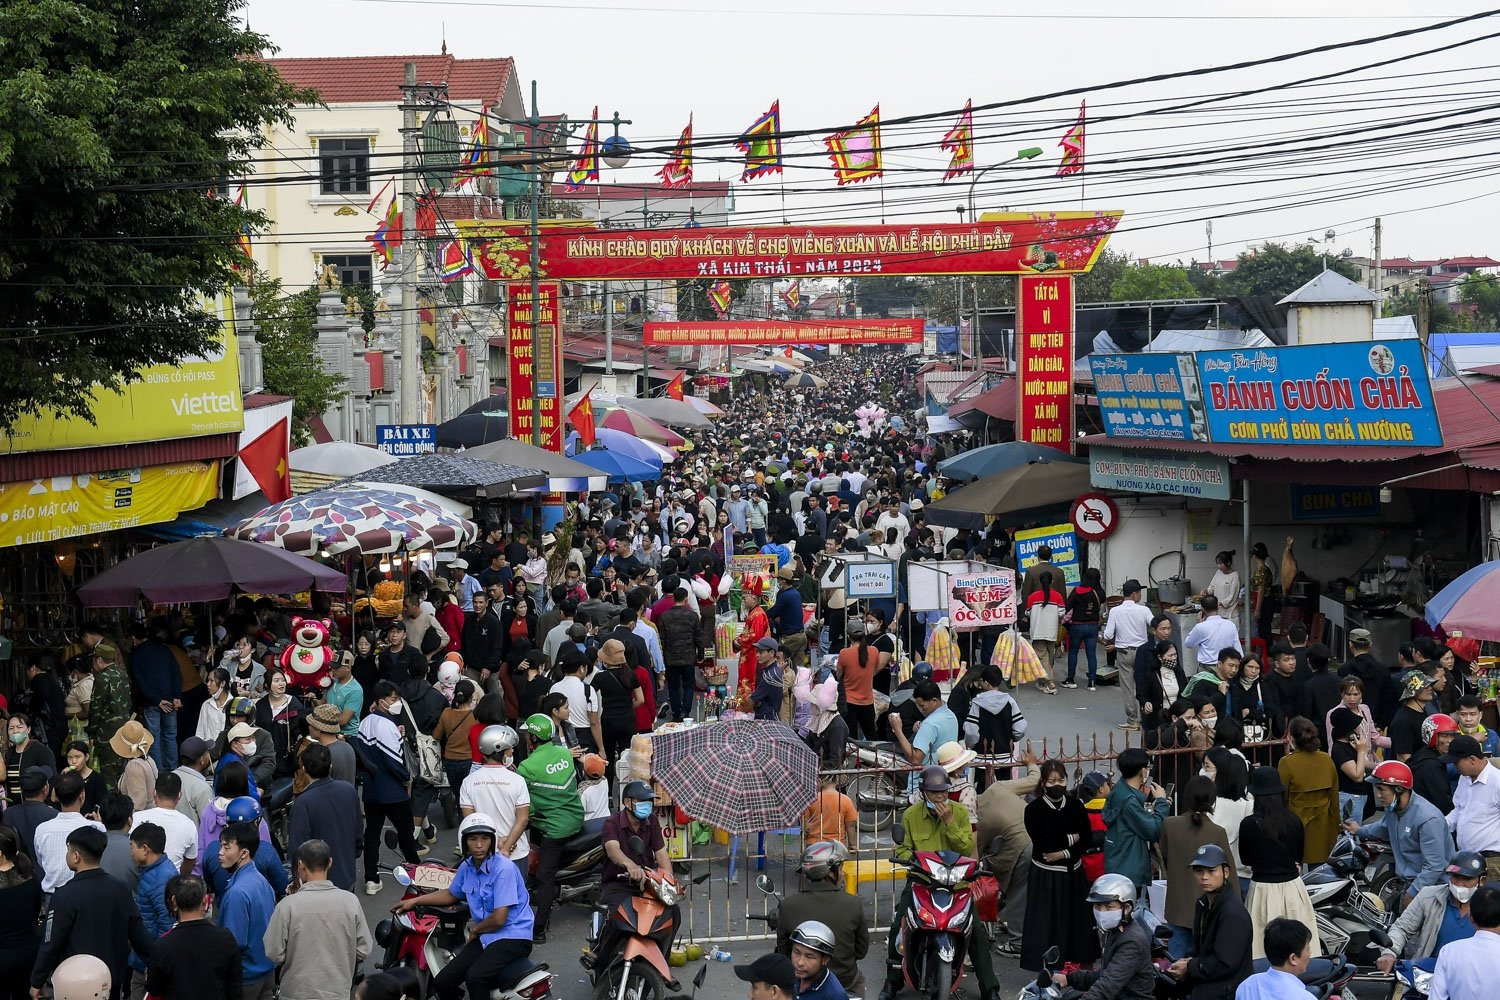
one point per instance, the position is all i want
(581, 416)
(674, 387)
(267, 459)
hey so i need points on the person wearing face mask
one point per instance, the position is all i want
(1133, 815)
(624, 866)
(1416, 831)
(1058, 826)
(1438, 915)
(1181, 836)
(21, 752)
(244, 741)
(1126, 970)
(387, 784)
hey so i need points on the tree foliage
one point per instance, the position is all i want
(1440, 316)
(115, 119)
(1096, 285)
(287, 331)
(1277, 270)
(1481, 293)
(1142, 282)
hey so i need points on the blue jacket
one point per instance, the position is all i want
(1419, 840)
(151, 900)
(1131, 828)
(386, 780)
(245, 911)
(786, 612)
(328, 810)
(267, 862)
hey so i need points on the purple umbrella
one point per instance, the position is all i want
(206, 569)
(1466, 607)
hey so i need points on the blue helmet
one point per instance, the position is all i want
(243, 810)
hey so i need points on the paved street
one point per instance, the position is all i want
(719, 908)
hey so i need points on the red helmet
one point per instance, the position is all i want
(1435, 724)
(1392, 774)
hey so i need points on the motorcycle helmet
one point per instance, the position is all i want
(1392, 774)
(1466, 863)
(538, 726)
(239, 708)
(814, 934)
(639, 791)
(821, 858)
(1435, 724)
(475, 823)
(383, 932)
(935, 779)
(496, 740)
(81, 977)
(1112, 888)
(921, 671)
(243, 810)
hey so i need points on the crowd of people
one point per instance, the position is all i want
(178, 808)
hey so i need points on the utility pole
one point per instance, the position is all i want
(1424, 310)
(1377, 274)
(411, 347)
(1208, 228)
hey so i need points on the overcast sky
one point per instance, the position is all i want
(655, 61)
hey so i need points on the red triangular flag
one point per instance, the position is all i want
(267, 459)
(581, 416)
(787, 352)
(674, 387)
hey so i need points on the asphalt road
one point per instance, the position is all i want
(1073, 719)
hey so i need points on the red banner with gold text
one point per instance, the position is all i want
(1044, 360)
(814, 331)
(535, 372)
(1004, 243)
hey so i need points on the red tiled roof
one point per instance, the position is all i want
(1406, 262)
(633, 192)
(377, 79)
(1468, 262)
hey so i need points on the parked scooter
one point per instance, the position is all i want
(1352, 920)
(427, 938)
(882, 794)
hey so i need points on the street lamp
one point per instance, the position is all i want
(1029, 153)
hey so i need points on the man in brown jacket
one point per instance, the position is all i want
(1001, 813)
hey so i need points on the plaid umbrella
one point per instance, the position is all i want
(742, 776)
(363, 520)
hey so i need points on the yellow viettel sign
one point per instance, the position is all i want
(197, 397)
(47, 510)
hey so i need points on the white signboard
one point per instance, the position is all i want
(864, 580)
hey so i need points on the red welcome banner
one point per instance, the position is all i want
(767, 332)
(1044, 361)
(1003, 243)
(535, 373)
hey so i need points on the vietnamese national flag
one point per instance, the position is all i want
(674, 387)
(581, 417)
(267, 459)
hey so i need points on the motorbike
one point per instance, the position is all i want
(1351, 920)
(582, 860)
(426, 939)
(882, 794)
(772, 917)
(1327, 977)
(637, 968)
(935, 927)
(1416, 977)
(1372, 863)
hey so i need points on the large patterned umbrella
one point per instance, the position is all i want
(641, 426)
(1466, 607)
(365, 521)
(206, 569)
(742, 776)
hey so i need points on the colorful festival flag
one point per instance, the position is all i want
(379, 195)
(679, 169)
(960, 143)
(454, 262)
(761, 144)
(720, 296)
(1072, 146)
(476, 164)
(586, 167)
(856, 152)
(387, 235)
(243, 239)
(792, 296)
(581, 416)
(674, 387)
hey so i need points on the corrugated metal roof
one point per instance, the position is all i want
(79, 461)
(1330, 288)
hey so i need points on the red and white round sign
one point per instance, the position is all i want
(1095, 517)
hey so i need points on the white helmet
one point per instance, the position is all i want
(476, 823)
(1112, 888)
(81, 977)
(814, 934)
(496, 740)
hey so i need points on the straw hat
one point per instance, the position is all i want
(954, 757)
(132, 740)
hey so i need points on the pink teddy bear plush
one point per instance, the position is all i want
(309, 659)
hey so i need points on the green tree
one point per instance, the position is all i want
(287, 331)
(1481, 292)
(1277, 270)
(115, 118)
(939, 296)
(1142, 282)
(1096, 285)
(880, 296)
(1440, 316)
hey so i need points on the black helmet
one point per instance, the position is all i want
(638, 790)
(935, 779)
(1466, 863)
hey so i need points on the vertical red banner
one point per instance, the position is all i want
(535, 368)
(1044, 360)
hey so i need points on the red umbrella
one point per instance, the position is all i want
(641, 426)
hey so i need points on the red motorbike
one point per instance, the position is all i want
(935, 927)
(427, 938)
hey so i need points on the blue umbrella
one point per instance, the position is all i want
(629, 445)
(619, 467)
(993, 458)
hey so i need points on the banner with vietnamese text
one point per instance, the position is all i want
(767, 332)
(535, 369)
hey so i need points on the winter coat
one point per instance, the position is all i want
(1125, 972)
(1221, 946)
(1133, 826)
(681, 630)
